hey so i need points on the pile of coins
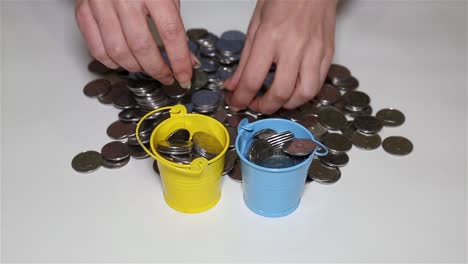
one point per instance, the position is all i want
(339, 116)
(178, 148)
(279, 150)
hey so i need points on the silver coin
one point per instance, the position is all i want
(181, 134)
(236, 172)
(349, 129)
(397, 145)
(329, 94)
(279, 161)
(208, 65)
(347, 85)
(175, 147)
(205, 100)
(331, 118)
(356, 100)
(232, 136)
(115, 151)
(121, 130)
(368, 124)
(338, 73)
(390, 117)
(109, 164)
(336, 143)
(366, 141)
(259, 151)
(312, 123)
(229, 161)
(223, 73)
(265, 133)
(206, 144)
(233, 35)
(299, 147)
(335, 159)
(323, 174)
(174, 91)
(199, 79)
(367, 110)
(87, 161)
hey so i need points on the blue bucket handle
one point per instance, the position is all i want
(321, 150)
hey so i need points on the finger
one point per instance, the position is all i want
(329, 37)
(90, 31)
(232, 82)
(256, 68)
(112, 35)
(308, 83)
(196, 64)
(167, 19)
(141, 42)
(282, 87)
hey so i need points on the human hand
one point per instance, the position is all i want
(117, 34)
(296, 35)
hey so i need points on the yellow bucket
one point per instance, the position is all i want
(194, 187)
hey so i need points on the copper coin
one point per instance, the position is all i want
(115, 151)
(121, 130)
(137, 152)
(96, 88)
(349, 84)
(235, 118)
(155, 167)
(299, 147)
(220, 115)
(236, 172)
(87, 161)
(97, 67)
(338, 73)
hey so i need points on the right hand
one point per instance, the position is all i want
(118, 35)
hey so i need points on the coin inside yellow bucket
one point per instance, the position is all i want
(194, 187)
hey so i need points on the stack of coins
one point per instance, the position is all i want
(178, 148)
(339, 116)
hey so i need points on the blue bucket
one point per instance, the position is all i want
(273, 192)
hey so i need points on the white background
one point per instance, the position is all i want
(407, 54)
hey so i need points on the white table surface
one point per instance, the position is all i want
(407, 54)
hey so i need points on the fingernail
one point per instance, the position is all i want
(168, 80)
(197, 63)
(186, 85)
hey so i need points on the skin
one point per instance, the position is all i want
(296, 35)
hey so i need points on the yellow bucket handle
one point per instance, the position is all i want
(197, 165)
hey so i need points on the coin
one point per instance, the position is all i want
(335, 159)
(366, 141)
(137, 152)
(130, 115)
(97, 67)
(336, 143)
(220, 115)
(329, 94)
(236, 172)
(397, 145)
(175, 147)
(174, 91)
(229, 161)
(232, 136)
(391, 117)
(97, 88)
(199, 79)
(115, 151)
(347, 85)
(206, 145)
(124, 101)
(323, 174)
(278, 161)
(356, 100)
(87, 161)
(234, 119)
(338, 73)
(121, 130)
(181, 134)
(264, 133)
(368, 124)
(311, 122)
(208, 65)
(299, 147)
(259, 151)
(331, 118)
(109, 164)
(349, 129)
(233, 35)
(196, 33)
(155, 167)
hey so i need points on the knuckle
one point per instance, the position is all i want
(140, 45)
(117, 51)
(171, 29)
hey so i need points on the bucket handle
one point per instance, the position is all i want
(321, 150)
(197, 165)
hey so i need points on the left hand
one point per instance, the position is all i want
(296, 35)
